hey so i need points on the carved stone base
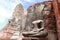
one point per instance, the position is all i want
(34, 38)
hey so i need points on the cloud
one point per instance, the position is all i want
(4, 13)
(29, 0)
(6, 9)
(2, 19)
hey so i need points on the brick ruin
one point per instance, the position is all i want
(20, 22)
(47, 15)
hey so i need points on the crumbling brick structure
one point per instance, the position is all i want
(47, 15)
(50, 15)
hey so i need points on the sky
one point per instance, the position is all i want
(7, 8)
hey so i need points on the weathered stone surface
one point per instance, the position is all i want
(47, 15)
(20, 22)
(6, 33)
(35, 12)
(12, 29)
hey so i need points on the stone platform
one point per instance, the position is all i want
(34, 38)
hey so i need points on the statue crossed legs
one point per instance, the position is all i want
(38, 30)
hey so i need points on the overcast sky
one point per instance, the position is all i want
(7, 6)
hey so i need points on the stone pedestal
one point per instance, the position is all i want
(34, 38)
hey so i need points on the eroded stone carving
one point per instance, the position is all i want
(38, 30)
(35, 19)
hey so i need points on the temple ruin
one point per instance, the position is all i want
(40, 22)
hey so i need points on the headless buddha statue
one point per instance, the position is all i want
(35, 19)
